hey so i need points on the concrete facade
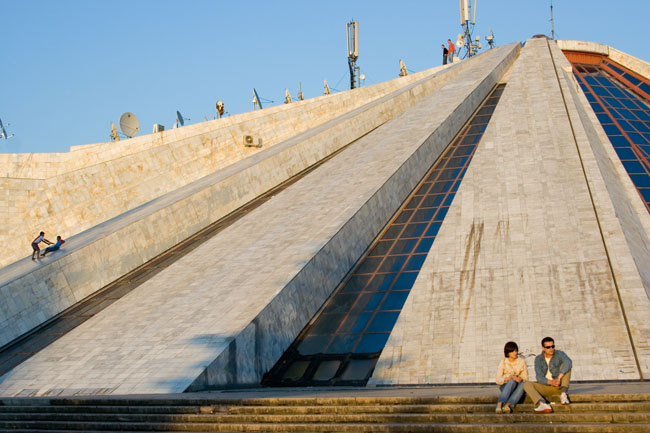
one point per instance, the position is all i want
(36, 291)
(547, 235)
(223, 314)
(536, 250)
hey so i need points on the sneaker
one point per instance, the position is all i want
(498, 410)
(564, 398)
(507, 408)
(543, 407)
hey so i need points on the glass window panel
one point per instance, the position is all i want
(440, 187)
(449, 199)
(632, 79)
(625, 153)
(356, 283)
(617, 93)
(405, 281)
(403, 216)
(604, 118)
(645, 87)
(604, 81)
(612, 102)
(414, 202)
(640, 126)
(591, 81)
(628, 103)
(296, 370)
(647, 137)
(633, 167)
(372, 343)
(343, 343)
(395, 300)
(425, 245)
(442, 212)
(455, 186)
(327, 323)
(360, 306)
(641, 180)
(424, 214)
(356, 323)
(433, 200)
(413, 230)
(374, 301)
(383, 321)
(590, 97)
(627, 114)
(601, 92)
(342, 302)
(481, 120)
(404, 246)
(369, 265)
(424, 187)
(415, 262)
(476, 129)
(313, 344)
(381, 248)
(619, 141)
(458, 161)
(637, 138)
(392, 264)
(616, 69)
(381, 282)
(489, 109)
(597, 107)
(470, 139)
(358, 369)
(449, 174)
(645, 193)
(463, 150)
(643, 115)
(611, 129)
(393, 231)
(434, 228)
(327, 369)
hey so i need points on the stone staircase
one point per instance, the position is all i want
(588, 413)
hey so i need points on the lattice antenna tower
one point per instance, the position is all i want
(353, 51)
(467, 12)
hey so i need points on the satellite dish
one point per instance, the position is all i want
(179, 119)
(221, 108)
(362, 77)
(129, 124)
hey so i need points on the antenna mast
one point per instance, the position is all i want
(552, 23)
(353, 51)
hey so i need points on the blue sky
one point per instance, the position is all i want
(69, 68)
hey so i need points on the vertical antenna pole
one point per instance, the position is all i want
(552, 23)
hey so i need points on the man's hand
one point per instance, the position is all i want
(554, 382)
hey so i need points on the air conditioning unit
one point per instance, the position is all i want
(158, 128)
(249, 141)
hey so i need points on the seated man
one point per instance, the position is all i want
(54, 247)
(553, 371)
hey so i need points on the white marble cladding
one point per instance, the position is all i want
(521, 254)
(32, 293)
(67, 193)
(225, 312)
(622, 215)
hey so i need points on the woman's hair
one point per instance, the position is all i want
(510, 346)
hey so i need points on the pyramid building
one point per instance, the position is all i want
(396, 234)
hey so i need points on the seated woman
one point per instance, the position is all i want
(511, 375)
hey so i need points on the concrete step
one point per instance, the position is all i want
(588, 413)
(542, 427)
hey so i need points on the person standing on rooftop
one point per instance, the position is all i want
(451, 50)
(444, 54)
